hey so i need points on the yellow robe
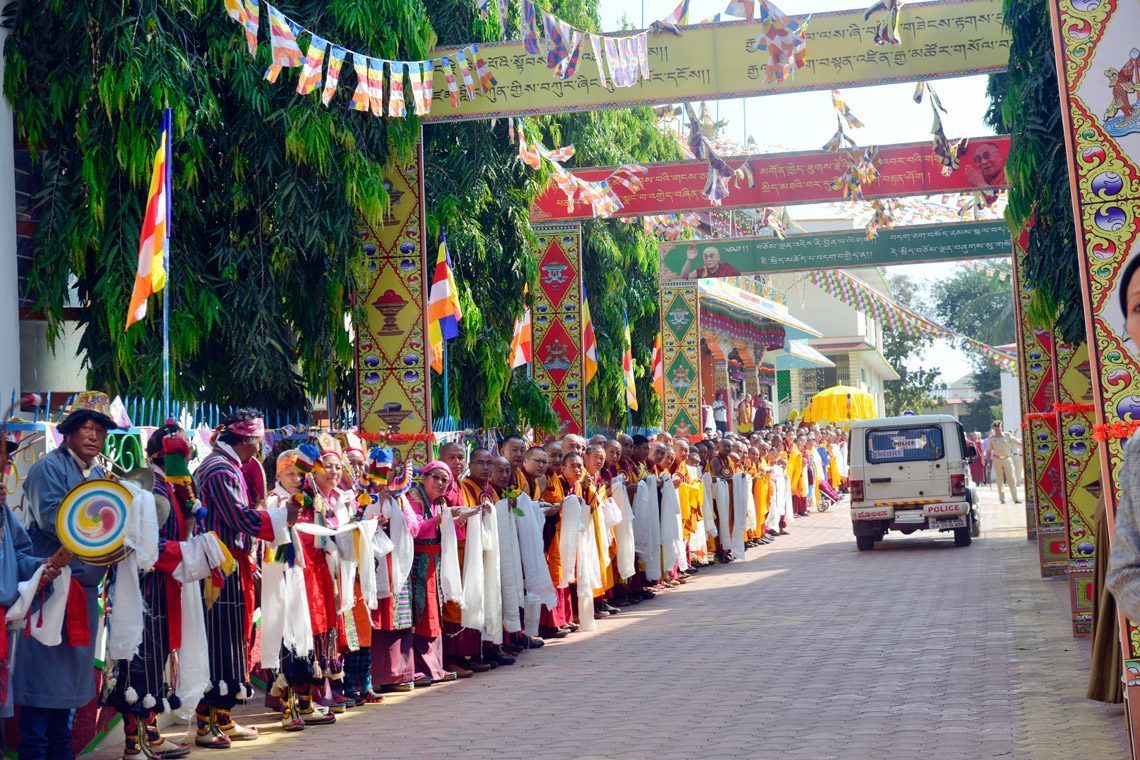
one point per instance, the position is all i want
(796, 472)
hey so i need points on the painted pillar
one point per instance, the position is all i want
(559, 362)
(393, 387)
(1042, 445)
(1025, 344)
(1103, 151)
(1082, 477)
(681, 357)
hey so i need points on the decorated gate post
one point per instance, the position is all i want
(1042, 445)
(681, 357)
(1082, 477)
(559, 363)
(1024, 341)
(1102, 142)
(393, 387)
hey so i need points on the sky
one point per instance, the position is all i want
(805, 121)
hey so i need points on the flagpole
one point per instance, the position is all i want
(446, 394)
(166, 266)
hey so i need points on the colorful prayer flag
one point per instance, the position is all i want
(627, 370)
(465, 72)
(154, 240)
(332, 76)
(443, 309)
(283, 33)
(428, 89)
(589, 340)
(360, 95)
(595, 43)
(523, 340)
(314, 61)
(452, 83)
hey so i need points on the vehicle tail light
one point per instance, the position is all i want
(957, 485)
(856, 487)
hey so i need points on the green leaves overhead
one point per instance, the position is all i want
(1025, 103)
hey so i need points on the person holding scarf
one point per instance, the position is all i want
(50, 682)
(429, 502)
(235, 518)
(140, 689)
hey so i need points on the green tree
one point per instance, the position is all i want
(1024, 102)
(269, 187)
(912, 391)
(979, 305)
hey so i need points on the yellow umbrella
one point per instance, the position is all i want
(840, 403)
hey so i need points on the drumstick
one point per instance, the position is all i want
(62, 558)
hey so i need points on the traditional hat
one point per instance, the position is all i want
(89, 405)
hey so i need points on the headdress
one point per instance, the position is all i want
(89, 405)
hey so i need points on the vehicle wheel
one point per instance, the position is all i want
(962, 537)
(975, 528)
(865, 543)
(824, 505)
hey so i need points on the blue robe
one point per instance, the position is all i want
(60, 677)
(16, 564)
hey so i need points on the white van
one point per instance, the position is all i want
(911, 473)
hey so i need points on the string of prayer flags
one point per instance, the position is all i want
(283, 40)
(839, 141)
(887, 29)
(671, 23)
(844, 110)
(332, 75)
(396, 106)
(946, 152)
(642, 42)
(771, 219)
(314, 61)
(882, 218)
(369, 94)
(360, 95)
(785, 41)
(465, 72)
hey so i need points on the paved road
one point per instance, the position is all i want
(810, 649)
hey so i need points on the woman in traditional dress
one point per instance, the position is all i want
(429, 502)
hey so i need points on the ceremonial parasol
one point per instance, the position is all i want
(840, 403)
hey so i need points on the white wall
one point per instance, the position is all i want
(9, 282)
(1010, 403)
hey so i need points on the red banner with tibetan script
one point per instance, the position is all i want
(788, 179)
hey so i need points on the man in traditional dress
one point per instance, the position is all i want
(223, 491)
(595, 459)
(50, 682)
(17, 564)
(460, 645)
(141, 689)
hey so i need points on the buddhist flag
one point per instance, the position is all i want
(658, 369)
(154, 241)
(589, 339)
(627, 370)
(443, 305)
(523, 341)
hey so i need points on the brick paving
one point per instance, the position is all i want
(810, 649)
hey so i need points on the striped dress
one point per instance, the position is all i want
(222, 490)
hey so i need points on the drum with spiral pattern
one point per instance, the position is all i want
(92, 521)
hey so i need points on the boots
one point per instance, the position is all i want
(233, 731)
(206, 732)
(310, 714)
(132, 746)
(291, 716)
(154, 745)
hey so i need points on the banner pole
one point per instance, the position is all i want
(168, 123)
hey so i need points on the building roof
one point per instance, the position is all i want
(797, 354)
(749, 305)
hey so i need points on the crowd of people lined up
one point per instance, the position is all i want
(369, 577)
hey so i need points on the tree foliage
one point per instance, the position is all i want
(981, 306)
(912, 391)
(270, 187)
(1025, 103)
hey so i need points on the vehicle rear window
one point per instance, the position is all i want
(909, 444)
